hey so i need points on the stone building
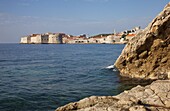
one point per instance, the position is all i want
(52, 38)
(97, 39)
(35, 38)
(109, 39)
(44, 39)
(65, 39)
(39, 39)
(25, 40)
(81, 40)
(56, 38)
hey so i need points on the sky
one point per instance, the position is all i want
(24, 17)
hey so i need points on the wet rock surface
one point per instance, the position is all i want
(147, 55)
(154, 97)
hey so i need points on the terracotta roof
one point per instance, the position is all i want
(34, 34)
(131, 34)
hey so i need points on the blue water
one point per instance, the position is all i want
(43, 77)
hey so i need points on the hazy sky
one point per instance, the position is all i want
(23, 17)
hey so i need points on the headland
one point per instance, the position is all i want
(146, 56)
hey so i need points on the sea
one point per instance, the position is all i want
(43, 77)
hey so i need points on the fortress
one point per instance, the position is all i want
(62, 38)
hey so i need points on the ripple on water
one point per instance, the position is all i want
(44, 77)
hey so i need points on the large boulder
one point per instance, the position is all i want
(147, 55)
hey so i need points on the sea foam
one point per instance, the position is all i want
(110, 67)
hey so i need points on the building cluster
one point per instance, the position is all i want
(47, 38)
(61, 38)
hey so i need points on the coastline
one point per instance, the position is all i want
(124, 42)
(145, 57)
(153, 97)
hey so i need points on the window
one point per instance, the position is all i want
(96, 41)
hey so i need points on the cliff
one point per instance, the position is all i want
(147, 55)
(154, 97)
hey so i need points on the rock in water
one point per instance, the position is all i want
(147, 55)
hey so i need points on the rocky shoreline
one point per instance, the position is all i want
(153, 97)
(146, 56)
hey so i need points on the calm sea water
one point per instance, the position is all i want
(43, 77)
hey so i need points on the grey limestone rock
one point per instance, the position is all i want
(154, 97)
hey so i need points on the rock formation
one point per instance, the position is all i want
(147, 55)
(154, 97)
